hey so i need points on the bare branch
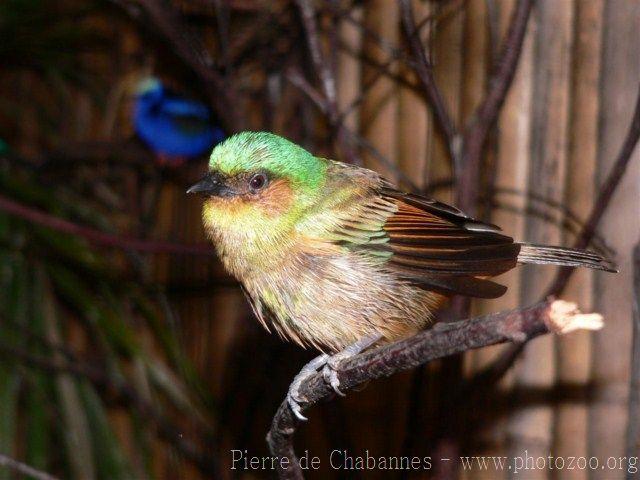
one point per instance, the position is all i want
(322, 66)
(442, 340)
(504, 70)
(604, 197)
(297, 79)
(98, 237)
(327, 80)
(424, 71)
(327, 103)
(24, 469)
(485, 116)
(382, 69)
(384, 45)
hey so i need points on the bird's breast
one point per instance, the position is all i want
(331, 299)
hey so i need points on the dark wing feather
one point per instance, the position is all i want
(434, 245)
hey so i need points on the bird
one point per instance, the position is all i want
(333, 256)
(175, 128)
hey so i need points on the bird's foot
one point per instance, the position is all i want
(293, 395)
(332, 365)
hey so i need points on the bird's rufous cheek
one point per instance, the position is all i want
(276, 199)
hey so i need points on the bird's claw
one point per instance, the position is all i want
(293, 399)
(293, 395)
(330, 366)
(330, 374)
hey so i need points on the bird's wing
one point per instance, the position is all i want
(183, 107)
(427, 242)
(190, 117)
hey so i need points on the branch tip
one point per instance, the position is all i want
(565, 317)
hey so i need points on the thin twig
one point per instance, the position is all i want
(485, 116)
(323, 68)
(385, 45)
(442, 340)
(604, 197)
(98, 237)
(424, 72)
(294, 76)
(325, 72)
(24, 469)
(381, 68)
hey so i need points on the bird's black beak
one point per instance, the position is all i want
(211, 185)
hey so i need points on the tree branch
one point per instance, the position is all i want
(423, 69)
(327, 80)
(442, 340)
(24, 469)
(604, 197)
(485, 116)
(98, 237)
(294, 76)
(322, 67)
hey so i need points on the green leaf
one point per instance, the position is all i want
(76, 426)
(110, 461)
(9, 390)
(38, 425)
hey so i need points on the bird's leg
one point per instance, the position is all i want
(330, 370)
(329, 365)
(293, 395)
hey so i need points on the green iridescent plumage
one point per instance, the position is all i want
(271, 153)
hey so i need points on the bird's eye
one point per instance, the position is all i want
(258, 182)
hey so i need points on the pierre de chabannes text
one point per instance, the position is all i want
(345, 460)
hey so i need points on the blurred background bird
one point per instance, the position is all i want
(176, 128)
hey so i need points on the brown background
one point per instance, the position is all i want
(556, 138)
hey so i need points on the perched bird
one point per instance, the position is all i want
(333, 256)
(175, 128)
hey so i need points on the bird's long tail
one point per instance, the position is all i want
(568, 257)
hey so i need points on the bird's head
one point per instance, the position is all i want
(148, 86)
(259, 185)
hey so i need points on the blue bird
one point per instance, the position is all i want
(175, 128)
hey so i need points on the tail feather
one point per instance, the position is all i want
(569, 257)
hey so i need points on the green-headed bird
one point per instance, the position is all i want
(334, 256)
